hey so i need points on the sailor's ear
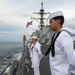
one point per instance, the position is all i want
(58, 21)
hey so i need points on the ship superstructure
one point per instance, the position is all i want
(44, 33)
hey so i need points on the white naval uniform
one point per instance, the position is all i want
(30, 51)
(29, 48)
(36, 57)
(64, 58)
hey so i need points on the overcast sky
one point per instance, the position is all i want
(14, 14)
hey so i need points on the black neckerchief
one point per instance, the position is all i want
(33, 46)
(51, 47)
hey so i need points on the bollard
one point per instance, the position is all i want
(24, 38)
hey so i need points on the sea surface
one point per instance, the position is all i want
(7, 52)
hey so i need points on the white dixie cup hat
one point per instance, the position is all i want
(55, 14)
(34, 37)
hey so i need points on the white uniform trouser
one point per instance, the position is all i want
(36, 64)
(31, 59)
(31, 63)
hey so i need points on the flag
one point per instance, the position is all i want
(29, 23)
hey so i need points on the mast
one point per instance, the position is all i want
(41, 19)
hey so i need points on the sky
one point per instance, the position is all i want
(14, 15)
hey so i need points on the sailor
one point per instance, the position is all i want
(62, 56)
(36, 55)
(29, 46)
(30, 52)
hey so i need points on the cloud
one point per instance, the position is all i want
(14, 15)
(67, 6)
(14, 32)
(70, 22)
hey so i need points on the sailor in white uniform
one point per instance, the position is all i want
(63, 61)
(29, 48)
(36, 55)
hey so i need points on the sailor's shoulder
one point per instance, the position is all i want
(64, 34)
(37, 44)
(64, 37)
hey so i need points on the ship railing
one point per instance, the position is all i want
(18, 67)
(4, 71)
(22, 67)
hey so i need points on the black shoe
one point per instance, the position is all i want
(31, 68)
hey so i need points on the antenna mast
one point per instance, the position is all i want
(41, 19)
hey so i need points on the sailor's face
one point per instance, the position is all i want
(53, 24)
(33, 40)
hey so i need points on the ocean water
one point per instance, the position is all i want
(7, 51)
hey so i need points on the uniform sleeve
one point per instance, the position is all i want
(29, 48)
(39, 51)
(67, 47)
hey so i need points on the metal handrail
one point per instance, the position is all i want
(5, 69)
(8, 65)
(15, 58)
